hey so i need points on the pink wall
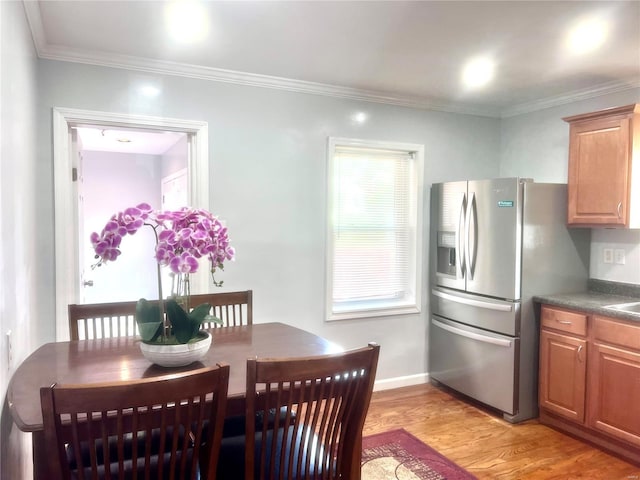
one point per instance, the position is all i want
(113, 182)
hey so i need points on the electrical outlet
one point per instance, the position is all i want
(607, 255)
(618, 255)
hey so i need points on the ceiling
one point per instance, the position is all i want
(404, 53)
(121, 140)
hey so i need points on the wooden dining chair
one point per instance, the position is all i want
(117, 319)
(162, 427)
(326, 399)
(102, 320)
(233, 308)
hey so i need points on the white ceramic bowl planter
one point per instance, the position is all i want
(177, 355)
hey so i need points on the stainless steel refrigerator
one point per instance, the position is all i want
(494, 245)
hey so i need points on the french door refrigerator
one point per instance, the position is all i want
(494, 245)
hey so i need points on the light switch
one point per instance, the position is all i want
(619, 256)
(607, 255)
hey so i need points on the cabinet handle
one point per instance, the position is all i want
(563, 322)
(579, 350)
(619, 209)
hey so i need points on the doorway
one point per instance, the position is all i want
(72, 159)
(118, 169)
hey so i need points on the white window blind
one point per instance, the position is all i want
(373, 231)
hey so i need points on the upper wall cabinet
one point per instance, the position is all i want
(604, 168)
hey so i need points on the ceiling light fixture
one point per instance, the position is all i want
(149, 91)
(359, 117)
(478, 72)
(587, 34)
(187, 21)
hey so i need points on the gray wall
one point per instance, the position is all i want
(267, 159)
(22, 206)
(537, 145)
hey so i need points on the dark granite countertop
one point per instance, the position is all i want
(601, 293)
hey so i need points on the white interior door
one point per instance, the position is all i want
(174, 190)
(76, 152)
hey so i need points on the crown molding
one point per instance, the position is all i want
(575, 96)
(34, 19)
(53, 52)
(164, 67)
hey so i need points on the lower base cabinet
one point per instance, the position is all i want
(563, 374)
(589, 383)
(614, 390)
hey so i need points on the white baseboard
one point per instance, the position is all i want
(397, 382)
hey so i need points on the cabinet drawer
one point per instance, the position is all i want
(563, 320)
(616, 332)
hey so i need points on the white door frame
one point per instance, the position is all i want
(67, 283)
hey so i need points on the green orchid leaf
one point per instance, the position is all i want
(213, 319)
(148, 320)
(149, 332)
(199, 313)
(183, 327)
(195, 328)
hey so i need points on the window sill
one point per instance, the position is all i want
(373, 312)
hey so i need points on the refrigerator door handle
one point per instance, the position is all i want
(471, 244)
(472, 335)
(460, 264)
(474, 303)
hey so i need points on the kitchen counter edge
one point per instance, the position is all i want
(591, 302)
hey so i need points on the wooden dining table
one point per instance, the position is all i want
(119, 359)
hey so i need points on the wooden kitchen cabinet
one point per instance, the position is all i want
(614, 379)
(563, 364)
(589, 378)
(604, 168)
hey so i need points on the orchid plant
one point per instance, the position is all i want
(183, 238)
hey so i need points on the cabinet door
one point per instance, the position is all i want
(614, 392)
(599, 156)
(563, 374)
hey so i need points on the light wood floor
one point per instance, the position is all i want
(483, 443)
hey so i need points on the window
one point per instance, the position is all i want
(374, 236)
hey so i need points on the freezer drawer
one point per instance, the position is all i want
(475, 362)
(486, 313)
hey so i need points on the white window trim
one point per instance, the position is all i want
(413, 308)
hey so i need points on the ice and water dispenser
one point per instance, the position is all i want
(446, 253)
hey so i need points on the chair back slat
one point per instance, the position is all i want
(117, 319)
(325, 401)
(233, 308)
(102, 320)
(164, 427)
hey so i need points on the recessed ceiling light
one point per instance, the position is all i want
(123, 140)
(187, 21)
(478, 72)
(149, 91)
(587, 34)
(359, 117)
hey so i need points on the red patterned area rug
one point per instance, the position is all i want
(399, 455)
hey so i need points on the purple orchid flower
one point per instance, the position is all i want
(183, 237)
